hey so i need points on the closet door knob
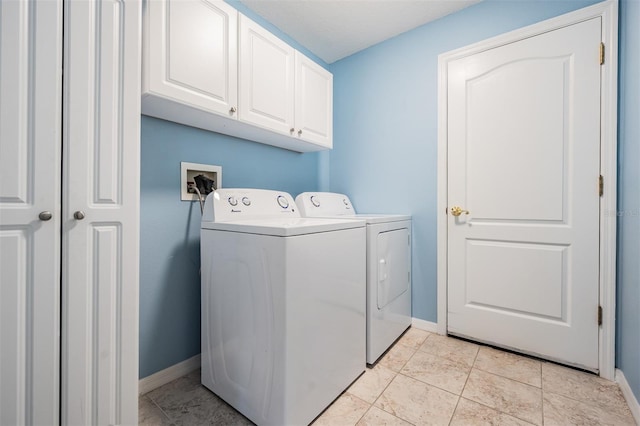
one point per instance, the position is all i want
(232, 110)
(79, 215)
(45, 216)
(299, 132)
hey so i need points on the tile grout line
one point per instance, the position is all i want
(464, 386)
(542, 393)
(593, 403)
(396, 373)
(164, 413)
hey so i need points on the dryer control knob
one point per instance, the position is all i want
(233, 201)
(315, 201)
(246, 201)
(283, 202)
(344, 200)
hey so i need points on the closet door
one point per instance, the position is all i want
(30, 140)
(101, 134)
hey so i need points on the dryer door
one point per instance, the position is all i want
(393, 265)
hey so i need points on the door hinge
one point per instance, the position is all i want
(599, 315)
(601, 53)
(601, 185)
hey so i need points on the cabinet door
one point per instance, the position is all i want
(190, 54)
(314, 102)
(101, 149)
(266, 78)
(30, 146)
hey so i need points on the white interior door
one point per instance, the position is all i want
(524, 158)
(30, 146)
(101, 133)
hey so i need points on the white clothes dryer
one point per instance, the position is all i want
(388, 266)
(283, 305)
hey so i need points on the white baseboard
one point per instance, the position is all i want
(424, 325)
(167, 375)
(628, 395)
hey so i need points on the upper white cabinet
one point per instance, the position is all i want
(190, 56)
(266, 78)
(281, 89)
(314, 102)
(208, 66)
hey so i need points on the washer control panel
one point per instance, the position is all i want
(227, 204)
(322, 204)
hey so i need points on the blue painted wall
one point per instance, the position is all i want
(170, 228)
(385, 122)
(628, 303)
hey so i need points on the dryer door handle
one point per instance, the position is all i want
(382, 269)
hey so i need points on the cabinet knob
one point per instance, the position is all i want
(300, 132)
(45, 216)
(79, 215)
(232, 110)
(291, 130)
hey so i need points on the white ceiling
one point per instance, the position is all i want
(335, 29)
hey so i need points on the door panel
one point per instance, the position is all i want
(181, 33)
(536, 288)
(314, 102)
(100, 179)
(524, 158)
(530, 185)
(266, 78)
(393, 265)
(30, 145)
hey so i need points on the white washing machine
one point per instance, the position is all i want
(283, 305)
(388, 266)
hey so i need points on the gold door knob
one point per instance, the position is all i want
(457, 211)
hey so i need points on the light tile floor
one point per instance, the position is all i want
(428, 379)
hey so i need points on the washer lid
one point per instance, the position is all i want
(381, 218)
(285, 227)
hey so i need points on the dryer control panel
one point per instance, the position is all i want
(322, 204)
(229, 204)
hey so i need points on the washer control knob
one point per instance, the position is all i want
(283, 202)
(246, 201)
(233, 201)
(344, 200)
(315, 201)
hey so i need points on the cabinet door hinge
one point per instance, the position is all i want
(599, 315)
(601, 185)
(601, 53)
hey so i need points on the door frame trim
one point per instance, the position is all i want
(608, 11)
